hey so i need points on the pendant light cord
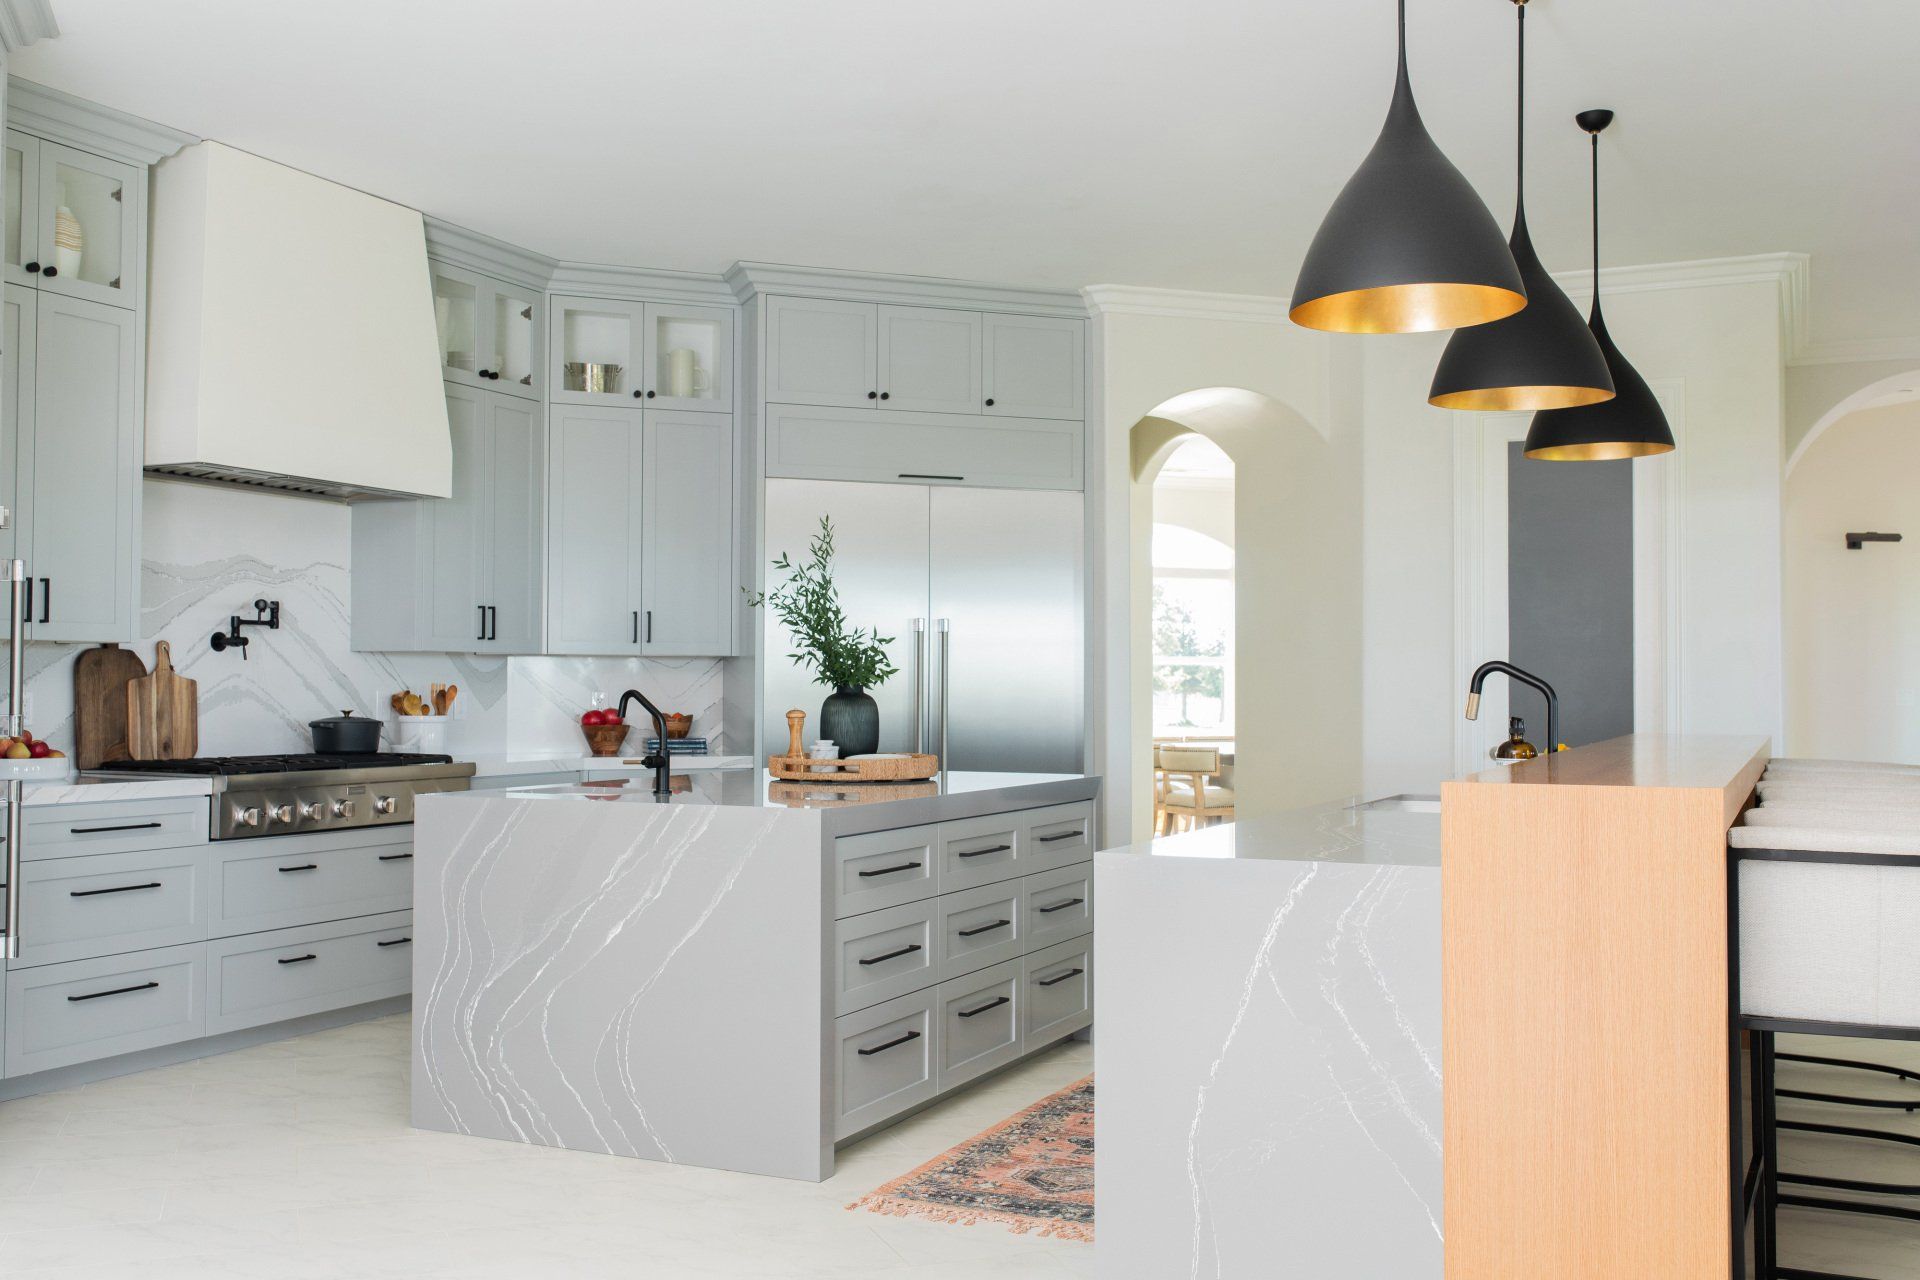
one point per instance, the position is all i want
(1595, 136)
(1403, 39)
(1520, 159)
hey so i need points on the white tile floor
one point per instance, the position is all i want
(294, 1161)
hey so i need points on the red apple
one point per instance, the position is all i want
(39, 749)
(591, 718)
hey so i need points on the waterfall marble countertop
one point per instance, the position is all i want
(92, 789)
(1269, 1047)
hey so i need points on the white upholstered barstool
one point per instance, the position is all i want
(1183, 791)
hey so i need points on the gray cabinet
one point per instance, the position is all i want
(58, 195)
(1034, 366)
(822, 351)
(806, 442)
(460, 574)
(70, 421)
(687, 579)
(493, 335)
(930, 359)
(594, 530)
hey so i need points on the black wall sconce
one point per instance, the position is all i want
(266, 614)
(1855, 541)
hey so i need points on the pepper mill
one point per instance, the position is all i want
(794, 720)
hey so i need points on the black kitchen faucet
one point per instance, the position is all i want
(657, 758)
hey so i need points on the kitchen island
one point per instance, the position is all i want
(748, 971)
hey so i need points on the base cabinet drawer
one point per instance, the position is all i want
(307, 879)
(67, 830)
(883, 869)
(979, 1023)
(1059, 990)
(290, 973)
(980, 927)
(1057, 836)
(1059, 905)
(885, 1061)
(60, 1014)
(111, 903)
(977, 851)
(884, 954)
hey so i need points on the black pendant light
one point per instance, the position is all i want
(1542, 358)
(1407, 247)
(1632, 424)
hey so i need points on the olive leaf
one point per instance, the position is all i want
(808, 605)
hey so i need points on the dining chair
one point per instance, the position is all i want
(1183, 792)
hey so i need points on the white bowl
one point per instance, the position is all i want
(38, 770)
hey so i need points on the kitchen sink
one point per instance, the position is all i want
(1403, 804)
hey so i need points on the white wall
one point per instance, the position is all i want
(1853, 617)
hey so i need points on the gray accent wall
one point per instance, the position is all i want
(1570, 593)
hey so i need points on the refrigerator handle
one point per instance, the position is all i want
(919, 686)
(16, 791)
(946, 648)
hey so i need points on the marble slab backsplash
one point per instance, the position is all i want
(209, 552)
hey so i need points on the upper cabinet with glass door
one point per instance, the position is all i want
(73, 222)
(642, 354)
(492, 334)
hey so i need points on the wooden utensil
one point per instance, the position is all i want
(163, 711)
(100, 679)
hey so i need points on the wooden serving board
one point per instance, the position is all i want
(100, 678)
(163, 712)
(903, 769)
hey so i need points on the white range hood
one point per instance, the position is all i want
(291, 341)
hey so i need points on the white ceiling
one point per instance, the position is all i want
(1065, 142)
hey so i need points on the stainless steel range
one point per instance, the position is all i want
(285, 795)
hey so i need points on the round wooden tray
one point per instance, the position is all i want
(908, 768)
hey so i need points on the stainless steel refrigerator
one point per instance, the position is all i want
(983, 592)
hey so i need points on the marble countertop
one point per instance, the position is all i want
(1392, 833)
(84, 790)
(510, 764)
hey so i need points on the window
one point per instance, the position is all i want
(1193, 594)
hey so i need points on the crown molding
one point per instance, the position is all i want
(461, 247)
(61, 117)
(1866, 351)
(1185, 304)
(600, 280)
(749, 278)
(24, 21)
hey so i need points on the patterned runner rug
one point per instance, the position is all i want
(1033, 1172)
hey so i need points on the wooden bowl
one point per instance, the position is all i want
(678, 725)
(605, 739)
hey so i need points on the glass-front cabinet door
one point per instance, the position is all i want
(87, 226)
(456, 318)
(689, 357)
(516, 340)
(22, 208)
(595, 352)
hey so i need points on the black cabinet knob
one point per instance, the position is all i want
(50, 272)
(649, 395)
(485, 374)
(873, 395)
(886, 395)
(33, 268)
(989, 403)
(637, 393)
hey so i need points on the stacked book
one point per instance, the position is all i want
(679, 746)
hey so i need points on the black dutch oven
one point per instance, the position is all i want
(345, 735)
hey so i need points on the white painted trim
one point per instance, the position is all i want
(1789, 269)
(61, 117)
(1659, 572)
(749, 278)
(1186, 304)
(460, 247)
(22, 22)
(1866, 351)
(597, 280)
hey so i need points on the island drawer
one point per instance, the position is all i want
(980, 927)
(60, 1014)
(308, 879)
(1057, 836)
(67, 830)
(885, 1061)
(883, 869)
(1059, 982)
(977, 851)
(289, 973)
(884, 954)
(111, 903)
(1059, 905)
(979, 1022)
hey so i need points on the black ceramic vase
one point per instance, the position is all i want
(850, 719)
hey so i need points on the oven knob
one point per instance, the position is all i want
(343, 808)
(279, 813)
(385, 804)
(310, 810)
(249, 817)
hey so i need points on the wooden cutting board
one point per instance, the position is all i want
(163, 711)
(100, 678)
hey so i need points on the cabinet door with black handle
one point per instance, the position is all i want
(688, 578)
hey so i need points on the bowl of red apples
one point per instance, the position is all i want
(605, 731)
(26, 756)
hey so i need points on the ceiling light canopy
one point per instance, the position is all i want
(1407, 247)
(1632, 424)
(1543, 357)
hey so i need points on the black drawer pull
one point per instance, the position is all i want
(985, 928)
(991, 1004)
(305, 866)
(922, 475)
(117, 991)
(1071, 973)
(907, 950)
(298, 959)
(94, 831)
(123, 888)
(891, 1044)
(887, 871)
(981, 853)
(1064, 835)
(1061, 906)
(394, 857)
(392, 942)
